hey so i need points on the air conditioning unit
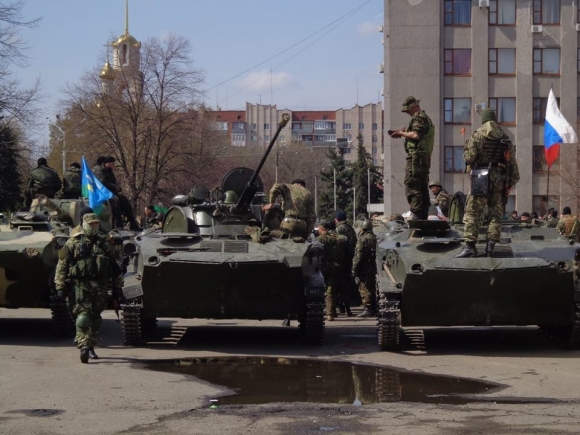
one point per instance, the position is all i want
(382, 92)
(578, 27)
(537, 29)
(381, 28)
(382, 68)
(483, 3)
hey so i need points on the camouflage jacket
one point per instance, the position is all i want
(297, 202)
(107, 178)
(552, 222)
(473, 152)
(443, 200)
(44, 177)
(421, 124)
(365, 262)
(335, 249)
(568, 225)
(151, 221)
(72, 185)
(342, 227)
(89, 263)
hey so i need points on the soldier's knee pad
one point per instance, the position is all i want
(83, 321)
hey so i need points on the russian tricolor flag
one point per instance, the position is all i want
(556, 130)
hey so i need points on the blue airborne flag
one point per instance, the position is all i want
(94, 189)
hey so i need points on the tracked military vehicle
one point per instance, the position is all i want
(217, 259)
(29, 245)
(531, 279)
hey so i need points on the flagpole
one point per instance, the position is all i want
(548, 191)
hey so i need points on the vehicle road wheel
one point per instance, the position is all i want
(312, 325)
(389, 327)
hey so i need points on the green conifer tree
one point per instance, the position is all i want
(10, 177)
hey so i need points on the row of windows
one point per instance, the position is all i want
(502, 12)
(458, 110)
(502, 61)
(361, 126)
(453, 160)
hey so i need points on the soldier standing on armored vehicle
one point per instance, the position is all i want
(442, 199)
(364, 268)
(72, 183)
(43, 180)
(334, 260)
(419, 139)
(87, 262)
(491, 158)
(298, 207)
(568, 225)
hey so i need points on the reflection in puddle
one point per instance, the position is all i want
(258, 380)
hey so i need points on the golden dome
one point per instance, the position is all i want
(107, 73)
(126, 39)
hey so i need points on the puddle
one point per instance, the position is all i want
(37, 412)
(258, 380)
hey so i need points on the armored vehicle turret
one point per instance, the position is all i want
(531, 279)
(215, 257)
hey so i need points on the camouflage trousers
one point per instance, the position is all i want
(336, 288)
(368, 291)
(474, 212)
(90, 304)
(417, 192)
(294, 227)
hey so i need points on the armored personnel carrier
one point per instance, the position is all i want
(531, 279)
(29, 245)
(216, 258)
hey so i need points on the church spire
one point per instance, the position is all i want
(126, 17)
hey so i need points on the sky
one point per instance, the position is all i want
(298, 55)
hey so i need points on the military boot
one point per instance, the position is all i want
(92, 353)
(348, 311)
(469, 250)
(368, 312)
(85, 355)
(489, 248)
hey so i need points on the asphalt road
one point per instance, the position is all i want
(44, 389)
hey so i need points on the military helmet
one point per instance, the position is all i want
(367, 225)
(198, 194)
(329, 225)
(230, 197)
(487, 115)
(435, 183)
(409, 103)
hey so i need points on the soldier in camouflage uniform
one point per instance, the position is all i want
(72, 183)
(419, 139)
(364, 267)
(43, 180)
(152, 219)
(334, 260)
(442, 199)
(87, 263)
(298, 207)
(553, 219)
(488, 147)
(568, 225)
(343, 227)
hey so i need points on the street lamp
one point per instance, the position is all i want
(64, 132)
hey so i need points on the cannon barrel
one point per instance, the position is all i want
(250, 189)
(54, 209)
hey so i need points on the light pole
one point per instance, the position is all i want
(64, 132)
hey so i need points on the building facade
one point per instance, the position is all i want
(257, 124)
(458, 56)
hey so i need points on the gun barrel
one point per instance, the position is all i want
(51, 206)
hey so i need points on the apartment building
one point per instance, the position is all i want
(458, 55)
(257, 124)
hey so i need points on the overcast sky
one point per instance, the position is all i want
(299, 55)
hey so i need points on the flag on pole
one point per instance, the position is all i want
(93, 189)
(556, 130)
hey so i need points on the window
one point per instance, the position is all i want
(546, 11)
(239, 126)
(458, 61)
(457, 12)
(457, 110)
(539, 109)
(223, 126)
(361, 125)
(266, 138)
(375, 126)
(540, 203)
(505, 109)
(454, 159)
(253, 138)
(502, 12)
(266, 126)
(281, 138)
(546, 61)
(320, 125)
(375, 138)
(539, 164)
(374, 150)
(238, 140)
(346, 126)
(502, 61)
(254, 127)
